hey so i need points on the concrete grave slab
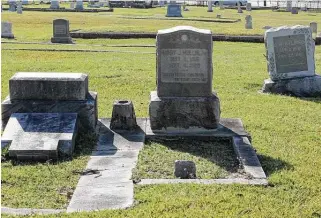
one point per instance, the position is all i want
(40, 136)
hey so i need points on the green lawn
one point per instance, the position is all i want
(286, 131)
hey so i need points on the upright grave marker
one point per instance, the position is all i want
(174, 10)
(54, 4)
(291, 65)
(248, 22)
(221, 5)
(314, 27)
(19, 8)
(6, 30)
(184, 97)
(61, 32)
(239, 9)
(210, 6)
(248, 6)
(12, 5)
(79, 5)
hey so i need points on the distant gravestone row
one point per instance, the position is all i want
(291, 64)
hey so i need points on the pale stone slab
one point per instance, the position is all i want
(242, 181)
(248, 158)
(184, 62)
(29, 211)
(290, 52)
(40, 136)
(6, 30)
(48, 86)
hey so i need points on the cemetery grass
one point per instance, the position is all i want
(214, 159)
(41, 22)
(43, 185)
(285, 131)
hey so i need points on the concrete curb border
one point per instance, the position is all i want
(30, 211)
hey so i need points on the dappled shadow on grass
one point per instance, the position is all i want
(271, 165)
(218, 151)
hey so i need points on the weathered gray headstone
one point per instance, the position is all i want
(184, 95)
(48, 86)
(314, 27)
(61, 32)
(54, 4)
(248, 6)
(248, 22)
(219, 16)
(40, 136)
(185, 169)
(174, 10)
(6, 30)
(290, 52)
(72, 5)
(291, 65)
(79, 5)
(209, 9)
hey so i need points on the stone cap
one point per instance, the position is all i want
(182, 28)
(48, 86)
(285, 28)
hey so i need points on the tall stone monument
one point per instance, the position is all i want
(6, 30)
(184, 97)
(221, 5)
(291, 64)
(239, 9)
(61, 32)
(19, 7)
(289, 5)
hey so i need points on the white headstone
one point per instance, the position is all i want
(6, 30)
(72, 5)
(248, 23)
(314, 27)
(210, 6)
(239, 9)
(290, 52)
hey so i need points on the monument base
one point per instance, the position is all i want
(86, 109)
(64, 40)
(184, 112)
(7, 36)
(301, 87)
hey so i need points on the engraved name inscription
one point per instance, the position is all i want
(290, 53)
(184, 65)
(60, 30)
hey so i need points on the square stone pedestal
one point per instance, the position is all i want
(64, 40)
(184, 112)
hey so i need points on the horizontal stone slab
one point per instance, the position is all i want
(86, 109)
(300, 87)
(48, 86)
(40, 136)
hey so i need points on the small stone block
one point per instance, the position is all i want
(40, 136)
(123, 116)
(185, 169)
(48, 86)
(184, 112)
